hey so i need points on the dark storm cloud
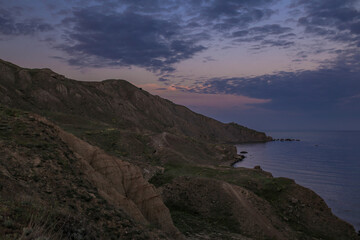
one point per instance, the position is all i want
(9, 25)
(127, 39)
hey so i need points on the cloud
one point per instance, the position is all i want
(216, 13)
(203, 100)
(209, 59)
(9, 25)
(242, 20)
(278, 43)
(270, 35)
(303, 91)
(336, 20)
(269, 29)
(162, 79)
(126, 39)
(218, 9)
(154, 35)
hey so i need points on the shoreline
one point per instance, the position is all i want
(309, 173)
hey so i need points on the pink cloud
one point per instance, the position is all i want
(192, 99)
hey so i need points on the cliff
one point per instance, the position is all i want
(106, 160)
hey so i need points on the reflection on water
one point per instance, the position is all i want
(326, 162)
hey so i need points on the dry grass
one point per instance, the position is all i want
(42, 226)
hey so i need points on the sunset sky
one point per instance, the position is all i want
(265, 64)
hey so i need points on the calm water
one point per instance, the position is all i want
(326, 162)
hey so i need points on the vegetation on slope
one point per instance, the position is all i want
(43, 184)
(301, 212)
(45, 193)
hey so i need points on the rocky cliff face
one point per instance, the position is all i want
(43, 164)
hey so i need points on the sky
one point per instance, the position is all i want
(265, 64)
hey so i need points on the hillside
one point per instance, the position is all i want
(106, 160)
(121, 118)
(55, 185)
(112, 101)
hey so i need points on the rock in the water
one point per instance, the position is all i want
(257, 167)
(286, 139)
(238, 158)
(243, 152)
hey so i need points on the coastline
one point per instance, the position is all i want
(334, 179)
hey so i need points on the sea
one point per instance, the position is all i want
(328, 162)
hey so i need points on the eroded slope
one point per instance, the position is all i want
(44, 169)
